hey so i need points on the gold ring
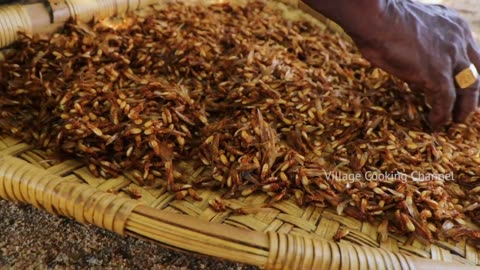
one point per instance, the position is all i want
(467, 77)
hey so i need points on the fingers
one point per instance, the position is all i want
(467, 99)
(442, 103)
(466, 103)
(474, 54)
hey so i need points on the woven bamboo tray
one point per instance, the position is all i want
(282, 236)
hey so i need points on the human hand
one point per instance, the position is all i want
(426, 46)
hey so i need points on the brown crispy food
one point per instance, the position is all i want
(240, 98)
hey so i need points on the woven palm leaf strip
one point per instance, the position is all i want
(281, 237)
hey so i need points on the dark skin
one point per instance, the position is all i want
(424, 45)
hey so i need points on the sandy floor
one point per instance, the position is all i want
(32, 239)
